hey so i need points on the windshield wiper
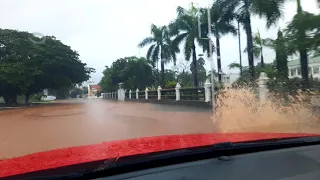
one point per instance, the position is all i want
(55, 177)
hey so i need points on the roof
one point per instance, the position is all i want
(296, 62)
(97, 87)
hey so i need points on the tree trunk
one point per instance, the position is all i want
(248, 29)
(194, 60)
(219, 60)
(304, 68)
(27, 98)
(240, 56)
(163, 84)
(262, 59)
(6, 99)
(13, 98)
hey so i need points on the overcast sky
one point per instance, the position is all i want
(104, 30)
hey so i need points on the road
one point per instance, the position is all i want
(83, 122)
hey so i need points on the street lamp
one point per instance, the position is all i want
(210, 37)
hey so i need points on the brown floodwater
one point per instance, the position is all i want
(83, 122)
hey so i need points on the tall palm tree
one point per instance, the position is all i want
(161, 46)
(280, 46)
(221, 20)
(301, 37)
(269, 9)
(184, 29)
(257, 48)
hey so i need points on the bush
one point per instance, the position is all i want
(37, 97)
(170, 85)
(98, 94)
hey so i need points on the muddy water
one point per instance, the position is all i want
(82, 122)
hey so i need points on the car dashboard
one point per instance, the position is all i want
(300, 163)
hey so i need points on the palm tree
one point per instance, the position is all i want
(257, 48)
(269, 9)
(301, 35)
(161, 45)
(280, 46)
(221, 25)
(184, 29)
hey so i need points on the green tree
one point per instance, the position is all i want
(202, 74)
(184, 29)
(161, 46)
(133, 72)
(258, 43)
(271, 10)
(302, 34)
(280, 45)
(28, 68)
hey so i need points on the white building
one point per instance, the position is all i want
(314, 67)
(229, 79)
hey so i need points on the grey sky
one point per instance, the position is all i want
(104, 30)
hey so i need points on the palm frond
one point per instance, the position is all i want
(155, 54)
(234, 66)
(146, 42)
(272, 10)
(178, 39)
(150, 51)
(188, 47)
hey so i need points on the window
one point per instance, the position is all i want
(293, 72)
(299, 71)
(316, 69)
(228, 79)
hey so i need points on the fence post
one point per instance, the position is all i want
(178, 92)
(130, 94)
(207, 92)
(146, 93)
(263, 88)
(159, 93)
(137, 93)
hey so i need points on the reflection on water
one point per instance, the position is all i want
(238, 110)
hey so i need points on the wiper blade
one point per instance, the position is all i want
(56, 177)
(275, 141)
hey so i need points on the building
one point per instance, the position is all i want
(93, 89)
(314, 67)
(229, 79)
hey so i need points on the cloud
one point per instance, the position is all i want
(104, 30)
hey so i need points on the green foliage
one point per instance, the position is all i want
(246, 79)
(161, 46)
(302, 34)
(27, 67)
(133, 72)
(271, 10)
(185, 29)
(37, 97)
(170, 85)
(75, 92)
(98, 94)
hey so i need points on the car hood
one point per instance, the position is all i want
(115, 149)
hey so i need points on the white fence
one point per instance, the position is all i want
(137, 94)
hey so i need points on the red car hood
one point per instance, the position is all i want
(114, 149)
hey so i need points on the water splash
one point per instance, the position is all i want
(239, 110)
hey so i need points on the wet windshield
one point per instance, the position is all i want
(78, 77)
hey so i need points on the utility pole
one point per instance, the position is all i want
(211, 39)
(239, 47)
(211, 59)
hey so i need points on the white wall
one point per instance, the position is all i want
(314, 70)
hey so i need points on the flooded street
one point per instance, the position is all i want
(83, 122)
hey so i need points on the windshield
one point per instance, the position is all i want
(83, 80)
